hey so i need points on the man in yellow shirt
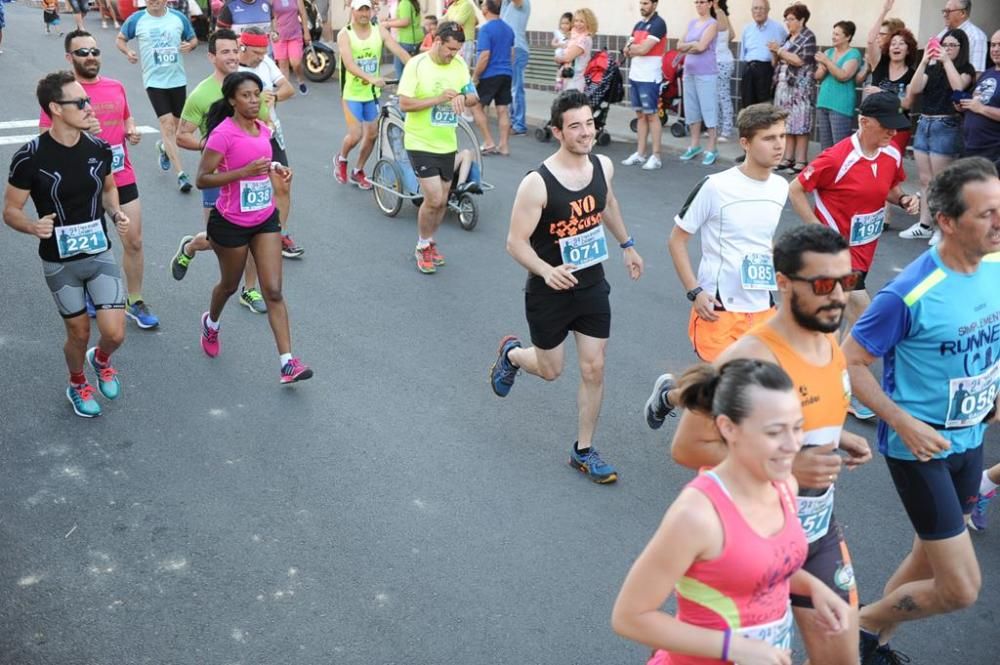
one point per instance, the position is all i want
(463, 12)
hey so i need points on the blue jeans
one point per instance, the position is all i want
(518, 105)
(412, 49)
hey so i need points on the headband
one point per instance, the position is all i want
(257, 41)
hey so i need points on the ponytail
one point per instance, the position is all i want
(724, 391)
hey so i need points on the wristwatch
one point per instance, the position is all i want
(693, 293)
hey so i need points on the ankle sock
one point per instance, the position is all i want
(284, 359)
(986, 485)
(102, 359)
(77, 379)
(580, 451)
(133, 298)
(214, 325)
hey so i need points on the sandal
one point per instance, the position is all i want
(488, 150)
(784, 165)
(798, 168)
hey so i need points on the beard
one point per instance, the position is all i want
(812, 321)
(87, 71)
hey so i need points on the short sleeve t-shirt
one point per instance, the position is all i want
(238, 15)
(496, 37)
(249, 201)
(837, 95)
(433, 129)
(649, 67)
(938, 334)
(982, 133)
(286, 19)
(160, 40)
(880, 78)
(851, 190)
(65, 181)
(200, 100)
(737, 217)
(463, 13)
(107, 97)
(936, 97)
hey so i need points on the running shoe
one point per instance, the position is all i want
(438, 256)
(358, 178)
(859, 410)
(91, 310)
(82, 399)
(164, 160)
(340, 169)
(503, 372)
(867, 646)
(634, 159)
(254, 301)
(107, 377)
(885, 656)
(210, 343)
(179, 264)
(183, 183)
(978, 521)
(709, 158)
(657, 406)
(425, 259)
(917, 232)
(303, 88)
(139, 312)
(591, 464)
(652, 164)
(690, 153)
(294, 371)
(289, 249)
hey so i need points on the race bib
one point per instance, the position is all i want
(867, 228)
(255, 195)
(368, 65)
(117, 158)
(584, 250)
(165, 55)
(757, 273)
(971, 398)
(85, 238)
(815, 513)
(777, 633)
(443, 115)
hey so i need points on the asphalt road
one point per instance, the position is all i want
(391, 510)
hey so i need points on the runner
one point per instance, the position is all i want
(434, 91)
(163, 35)
(238, 15)
(361, 83)
(237, 159)
(810, 261)
(277, 88)
(223, 52)
(934, 328)
(557, 234)
(852, 182)
(115, 125)
(730, 544)
(67, 174)
(737, 212)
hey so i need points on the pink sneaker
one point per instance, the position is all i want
(209, 338)
(294, 371)
(359, 178)
(340, 170)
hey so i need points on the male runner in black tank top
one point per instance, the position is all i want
(557, 232)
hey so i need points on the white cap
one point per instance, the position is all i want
(358, 4)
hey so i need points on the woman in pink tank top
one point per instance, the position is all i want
(731, 545)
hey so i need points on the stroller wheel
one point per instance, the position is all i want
(678, 130)
(387, 187)
(634, 124)
(468, 212)
(543, 134)
(603, 139)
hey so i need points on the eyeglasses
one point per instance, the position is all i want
(945, 12)
(824, 286)
(84, 52)
(951, 44)
(81, 103)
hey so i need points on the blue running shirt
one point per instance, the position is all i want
(160, 40)
(938, 333)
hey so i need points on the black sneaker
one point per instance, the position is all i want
(658, 406)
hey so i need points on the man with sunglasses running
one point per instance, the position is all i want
(851, 182)
(814, 277)
(113, 123)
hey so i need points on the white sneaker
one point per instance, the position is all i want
(917, 232)
(935, 238)
(652, 163)
(633, 159)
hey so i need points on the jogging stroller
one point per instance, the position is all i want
(603, 86)
(671, 94)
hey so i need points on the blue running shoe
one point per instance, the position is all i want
(107, 377)
(139, 312)
(859, 410)
(91, 310)
(82, 399)
(164, 160)
(978, 517)
(591, 464)
(503, 372)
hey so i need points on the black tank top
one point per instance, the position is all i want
(568, 213)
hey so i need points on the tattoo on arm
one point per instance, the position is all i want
(906, 604)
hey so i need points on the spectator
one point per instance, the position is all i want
(795, 86)
(700, 85)
(576, 56)
(944, 70)
(492, 76)
(516, 13)
(560, 40)
(646, 48)
(289, 34)
(407, 29)
(956, 15)
(463, 12)
(981, 128)
(757, 59)
(893, 73)
(878, 41)
(726, 63)
(430, 25)
(835, 70)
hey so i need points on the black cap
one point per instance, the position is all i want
(884, 107)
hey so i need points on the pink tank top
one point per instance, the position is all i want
(747, 584)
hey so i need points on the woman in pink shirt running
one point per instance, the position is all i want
(731, 545)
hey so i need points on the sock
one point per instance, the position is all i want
(77, 379)
(580, 451)
(986, 485)
(214, 325)
(423, 242)
(101, 358)
(133, 298)
(284, 359)
(506, 356)
(341, 160)
(284, 233)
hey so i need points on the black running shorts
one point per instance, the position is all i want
(829, 560)
(127, 194)
(553, 314)
(939, 493)
(224, 233)
(494, 90)
(431, 164)
(167, 101)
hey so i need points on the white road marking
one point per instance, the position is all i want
(20, 139)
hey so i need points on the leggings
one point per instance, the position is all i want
(725, 98)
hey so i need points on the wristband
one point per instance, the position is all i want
(628, 243)
(727, 635)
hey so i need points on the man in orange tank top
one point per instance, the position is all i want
(814, 275)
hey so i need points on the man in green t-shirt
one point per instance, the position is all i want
(435, 89)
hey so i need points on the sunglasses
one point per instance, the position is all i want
(824, 286)
(81, 103)
(84, 52)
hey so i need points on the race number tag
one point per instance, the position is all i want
(367, 65)
(165, 55)
(971, 398)
(443, 115)
(255, 195)
(867, 228)
(777, 633)
(584, 250)
(757, 273)
(117, 158)
(85, 238)
(815, 513)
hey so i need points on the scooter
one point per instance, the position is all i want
(318, 60)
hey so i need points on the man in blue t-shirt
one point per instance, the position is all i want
(516, 13)
(492, 74)
(981, 121)
(936, 328)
